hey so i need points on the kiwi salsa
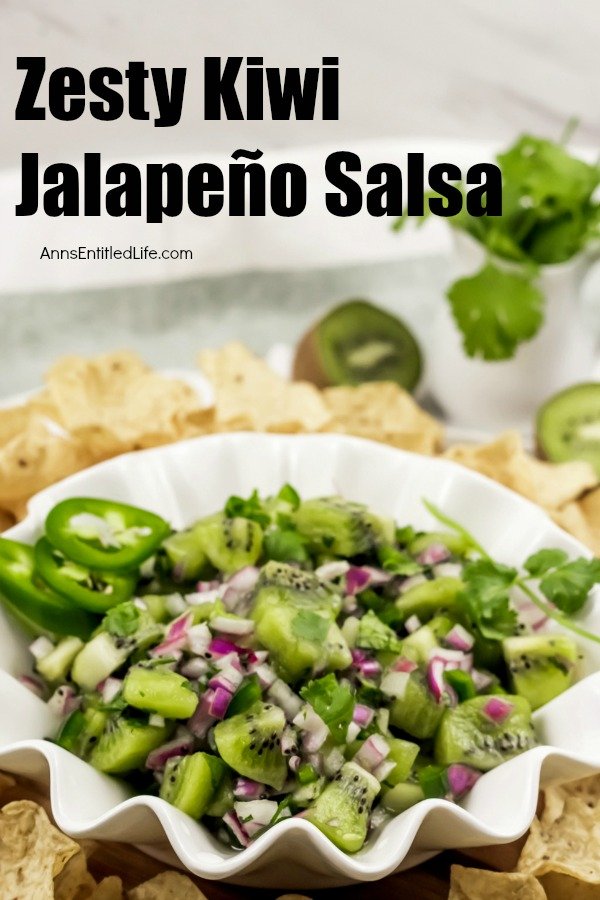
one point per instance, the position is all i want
(286, 657)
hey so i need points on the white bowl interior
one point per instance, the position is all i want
(187, 480)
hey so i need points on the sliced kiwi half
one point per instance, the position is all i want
(357, 342)
(568, 425)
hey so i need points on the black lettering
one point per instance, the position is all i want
(301, 95)
(452, 201)
(109, 106)
(331, 88)
(161, 203)
(170, 102)
(386, 198)
(254, 187)
(334, 164)
(219, 88)
(35, 67)
(66, 93)
(254, 88)
(486, 198)
(29, 185)
(126, 198)
(137, 73)
(62, 200)
(92, 177)
(288, 190)
(415, 184)
(205, 189)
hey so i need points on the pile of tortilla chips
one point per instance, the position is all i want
(560, 859)
(93, 409)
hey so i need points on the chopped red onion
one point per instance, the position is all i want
(294, 762)
(363, 715)
(229, 661)
(434, 554)
(448, 570)
(33, 684)
(333, 761)
(175, 638)
(384, 769)
(461, 779)
(497, 709)
(404, 664)
(260, 812)
(222, 647)
(394, 684)
(239, 585)
(266, 676)
(377, 577)
(199, 597)
(64, 700)
(352, 732)
(202, 719)
(282, 694)
(370, 668)
(203, 586)
(481, 680)
(413, 623)
(139, 603)
(357, 580)
(194, 668)
(232, 822)
(459, 638)
(332, 570)
(256, 658)
(227, 679)
(289, 744)
(372, 753)
(247, 789)
(349, 604)
(41, 647)
(453, 659)
(110, 689)
(175, 604)
(232, 626)
(179, 746)
(435, 677)
(315, 731)
(219, 703)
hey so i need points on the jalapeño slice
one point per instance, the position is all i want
(104, 535)
(38, 608)
(88, 588)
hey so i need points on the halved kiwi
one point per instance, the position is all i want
(358, 342)
(568, 425)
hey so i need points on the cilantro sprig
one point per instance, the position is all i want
(550, 213)
(333, 702)
(486, 599)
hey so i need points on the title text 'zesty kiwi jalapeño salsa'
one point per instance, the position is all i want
(288, 657)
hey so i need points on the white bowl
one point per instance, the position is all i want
(184, 481)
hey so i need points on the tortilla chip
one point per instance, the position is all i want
(550, 485)
(7, 520)
(167, 886)
(566, 837)
(478, 884)
(74, 882)
(110, 888)
(32, 851)
(563, 887)
(34, 459)
(250, 396)
(382, 411)
(115, 403)
(573, 519)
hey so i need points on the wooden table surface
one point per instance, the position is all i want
(426, 882)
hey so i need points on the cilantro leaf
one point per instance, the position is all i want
(568, 585)
(285, 545)
(310, 626)
(289, 495)
(122, 620)
(252, 508)
(486, 598)
(405, 535)
(333, 702)
(397, 561)
(541, 562)
(373, 634)
(495, 311)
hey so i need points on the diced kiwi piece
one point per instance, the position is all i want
(418, 645)
(250, 744)
(229, 543)
(401, 797)
(468, 735)
(428, 598)
(541, 666)
(342, 810)
(457, 544)
(339, 527)
(56, 664)
(403, 753)
(417, 711)
(99, 658)
(223, 799)
(125, 745)
(162, 692)
(568, 425)
(190, 782)
(295, 620)
(358, 342)
(186, 555)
